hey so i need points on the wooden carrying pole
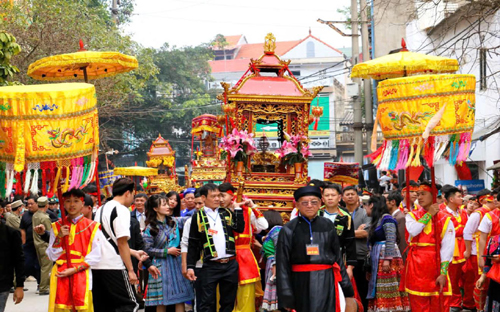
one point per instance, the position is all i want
(408, 206)
(434, 221)
(65, 242)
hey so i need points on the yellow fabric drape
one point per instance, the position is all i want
(47, 123)
(407, 104)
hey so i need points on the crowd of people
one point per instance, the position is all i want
(424, 248)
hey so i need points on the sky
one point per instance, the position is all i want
(192, 22)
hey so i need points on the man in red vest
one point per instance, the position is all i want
(453, 199)
(249, 272)
(432, 242)
(71, 286)
(472, 254)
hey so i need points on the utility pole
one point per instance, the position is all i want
(358, 122)
(367, 81)
(114, 11)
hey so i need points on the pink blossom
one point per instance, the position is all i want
(286, 149)
(305, 151)
(234, 149)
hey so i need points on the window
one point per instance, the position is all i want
(310, 49)
(296, 73)
(482, 69)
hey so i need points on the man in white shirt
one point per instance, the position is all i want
(114, 274)
(249, 271)
(139, 212)
(212, 235)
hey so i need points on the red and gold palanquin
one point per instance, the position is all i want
(276, 96)
(207, 164)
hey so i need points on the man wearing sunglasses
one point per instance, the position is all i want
(309, 266)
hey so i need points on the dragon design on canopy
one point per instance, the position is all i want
(404, 119)
(63, 138)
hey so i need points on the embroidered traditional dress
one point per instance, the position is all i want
(432, 241)
(492, 271)
(269, 249)
(84, 249)
(170, 287)
(459, 220)
(383, 287)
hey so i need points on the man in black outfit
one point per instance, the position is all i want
(212, 235)
(31, 264)
(12, 259)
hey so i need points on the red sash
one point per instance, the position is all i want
(319, 267)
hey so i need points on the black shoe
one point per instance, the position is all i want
(43, 293)
(455, 309)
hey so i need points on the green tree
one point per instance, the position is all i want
(178, 94)
(50, 27)
(8, 48)
(220, 43)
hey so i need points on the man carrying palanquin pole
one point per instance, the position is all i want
(432, 243)
(309, 265)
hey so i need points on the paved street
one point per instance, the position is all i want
(31, 302)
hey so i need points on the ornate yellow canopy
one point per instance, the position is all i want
(429, 116)
(136, 171)
(72, 65)
(48, 122)
(403, 64)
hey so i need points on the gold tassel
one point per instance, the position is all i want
(412, 150)
(416, 161)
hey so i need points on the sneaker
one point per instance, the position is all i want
(455, 309)
(43, 293)
(37, 289)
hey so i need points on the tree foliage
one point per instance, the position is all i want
(161, 96)
(8, 48)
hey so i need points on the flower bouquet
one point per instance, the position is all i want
(240, 145)
(294, 152)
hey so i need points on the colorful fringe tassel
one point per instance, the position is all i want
(404, 153)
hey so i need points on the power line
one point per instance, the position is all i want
(334, 65)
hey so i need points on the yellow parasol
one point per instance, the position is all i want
(136, 171)
(81, 65)
(402, 64)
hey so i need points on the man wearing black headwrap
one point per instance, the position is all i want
(309, 267)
